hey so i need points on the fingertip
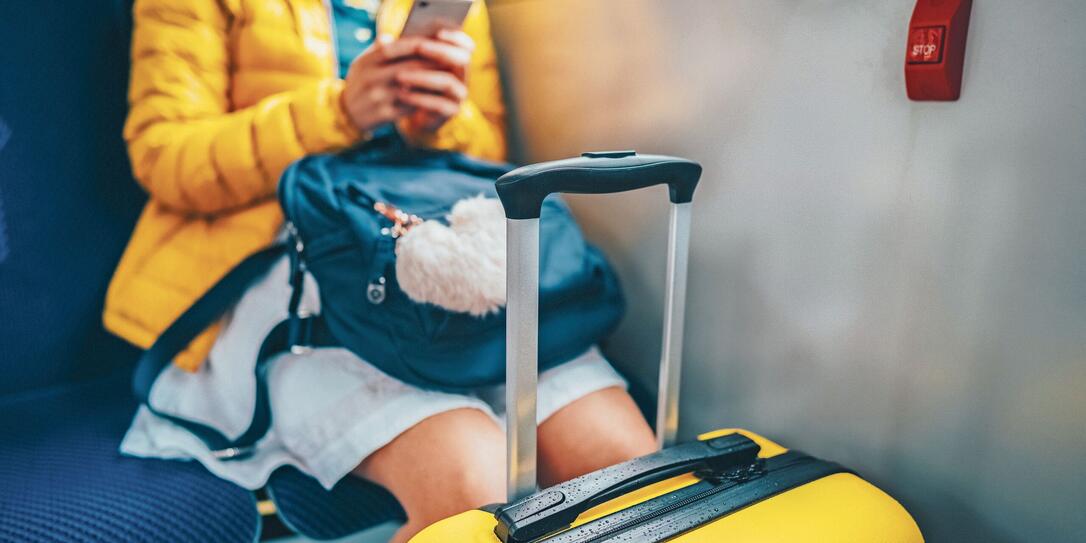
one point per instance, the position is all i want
(469, 43)
(400, 48)
(382, 43)
(456, 37)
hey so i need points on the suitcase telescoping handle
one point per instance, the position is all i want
(522, 192)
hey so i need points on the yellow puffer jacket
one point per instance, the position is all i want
(224, 94)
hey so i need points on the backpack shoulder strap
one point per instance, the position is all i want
(303, 332)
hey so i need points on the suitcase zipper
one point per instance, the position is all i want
(723, 482)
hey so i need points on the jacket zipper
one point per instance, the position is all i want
(332, 32)
(335, 37)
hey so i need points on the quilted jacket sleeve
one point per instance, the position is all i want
(188, 149)
(479, 128)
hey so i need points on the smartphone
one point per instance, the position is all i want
(429, 16)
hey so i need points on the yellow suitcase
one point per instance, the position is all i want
(728, 485)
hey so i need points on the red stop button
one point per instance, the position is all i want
(935, 51)
(926, 45)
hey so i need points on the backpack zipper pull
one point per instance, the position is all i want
(296, 237)
(375, 291)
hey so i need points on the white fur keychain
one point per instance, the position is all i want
(460, 267)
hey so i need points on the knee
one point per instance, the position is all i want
(448, 464)
(477, 484)
(598, 430)
(466, 480)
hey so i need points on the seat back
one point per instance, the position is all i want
(67, 198)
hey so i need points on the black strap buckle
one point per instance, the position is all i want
(300, 333)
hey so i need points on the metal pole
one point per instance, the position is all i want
(521, 364)
(678, 252)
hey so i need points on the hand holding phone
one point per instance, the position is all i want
(421, 77)
(434, 94)
(435, 91)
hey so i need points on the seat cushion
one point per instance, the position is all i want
(351, 506)
(62, 479)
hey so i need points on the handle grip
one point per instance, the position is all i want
(556, 508)
(522, 190)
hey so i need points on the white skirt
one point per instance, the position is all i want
(330, 409)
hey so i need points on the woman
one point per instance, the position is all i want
(224, 95)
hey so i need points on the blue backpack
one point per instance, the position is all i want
(344, 242)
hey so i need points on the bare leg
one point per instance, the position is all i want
(444, 465)
(454, 461)
(596, 431)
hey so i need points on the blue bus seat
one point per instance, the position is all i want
(67, 207)
(61, 478)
